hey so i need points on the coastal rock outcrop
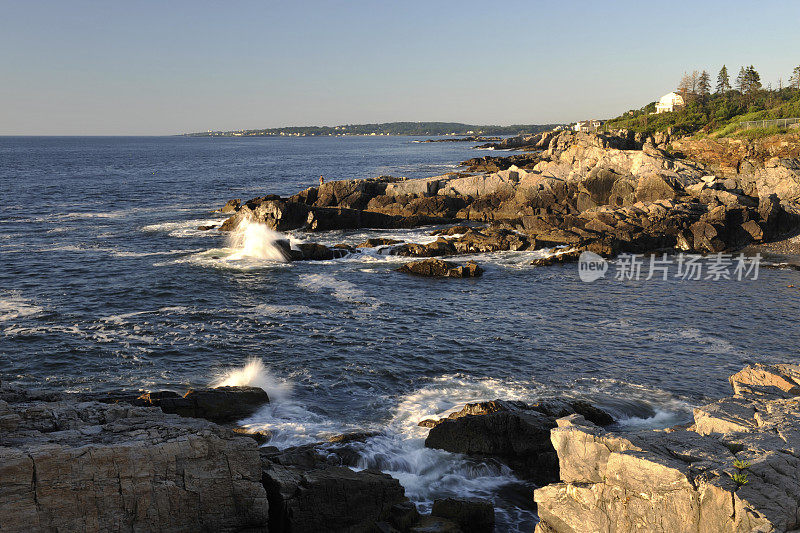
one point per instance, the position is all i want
(495, 164)
(90, 466)
(473, 516)
(606, 192)
(217, 404)
(735, 469)
(73, 465)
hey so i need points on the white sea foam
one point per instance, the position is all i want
(342, 290)
(13, 306)
(251, 245)
(84, 215)
(274, 309)
(185, 228)
(289, 422)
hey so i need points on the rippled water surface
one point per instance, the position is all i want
(107, 283)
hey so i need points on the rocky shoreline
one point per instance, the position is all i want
(606, 193)
(70, 463)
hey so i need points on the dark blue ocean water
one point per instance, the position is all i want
(106, 283)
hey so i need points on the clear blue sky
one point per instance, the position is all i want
(139, 67)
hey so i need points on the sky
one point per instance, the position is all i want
(156, 68)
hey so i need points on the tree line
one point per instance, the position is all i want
(719, 108)
(747, 81)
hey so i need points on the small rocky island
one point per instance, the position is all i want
(123, 463)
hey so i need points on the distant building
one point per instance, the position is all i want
(670, 102)
(587, 126)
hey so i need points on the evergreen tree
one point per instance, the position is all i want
(723, 81)
(741, 80)
(704, 84)
(752, 79)
(794, 81)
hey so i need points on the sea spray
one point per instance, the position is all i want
(255, 240)
(289, 422)
(255, 374)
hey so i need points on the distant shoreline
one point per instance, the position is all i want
(449, 129)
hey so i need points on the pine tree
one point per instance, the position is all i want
(794, 81)
(741, 80)
(723, 81)
(704, 84)
(753, 79)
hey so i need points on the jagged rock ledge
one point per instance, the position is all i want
(511, 432)
(735, 469)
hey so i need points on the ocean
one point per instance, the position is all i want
(106, 284)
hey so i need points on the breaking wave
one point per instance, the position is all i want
(255, 374)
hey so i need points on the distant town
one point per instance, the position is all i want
(388, 128)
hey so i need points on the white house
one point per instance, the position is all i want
(670, 102)
(587, 125)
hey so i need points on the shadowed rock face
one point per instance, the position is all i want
(515, 433)
(610, 193)
(475, 516)
(736, 469)
(328, 497)
(220, 404)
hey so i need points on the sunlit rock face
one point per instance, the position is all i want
(89, 466)
(735, 469)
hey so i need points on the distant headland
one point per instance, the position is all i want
(386, 128)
